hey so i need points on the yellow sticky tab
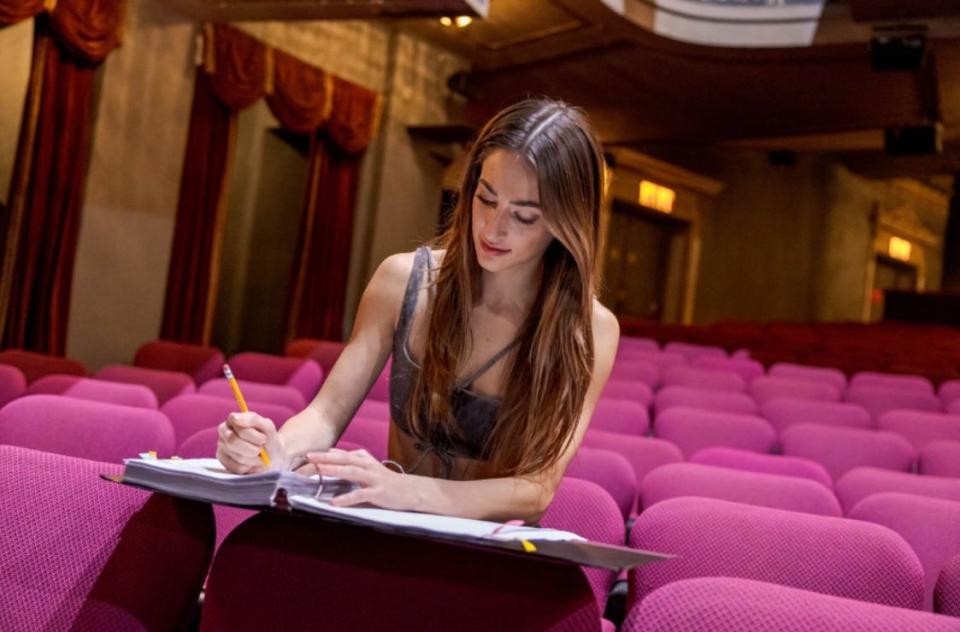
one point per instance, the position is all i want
(528, 546)
(152, 454)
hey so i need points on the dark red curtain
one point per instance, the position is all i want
(41, 224)
(233, 78)
(322, 257)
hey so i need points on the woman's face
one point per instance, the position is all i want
(508, 223)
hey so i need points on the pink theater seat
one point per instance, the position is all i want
(199, 362)
(763, 389)
(275, 394)
(190, 414)
(96, 390)
(692, 430)
(661, 360)
(931, 526)
(825, 554)
(588, 510)
(671, 396)
(380, 389)
(840, 450)
(81, 553)
(374, 409)
(164, 384)
(643, 453)
(91, 430)
(323, 352)
(634, 343)
(881, 399)
(862, 482)
(36, 365)
(764, 463)
(920, 428)
(620, 415)
(376, 579)
(785, 412)
(748, 369)
(940, 458)
(725, 604)
(946, 598)
(372, 434)
(303, 374)
(895, 381)
(13, 383)
(611, 471)
(693, 351)
(709, 379)
(636, 371)
(949, 392)
(634, 390)
(752, 488)
(819, 374)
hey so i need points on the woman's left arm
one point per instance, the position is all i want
(522, 497)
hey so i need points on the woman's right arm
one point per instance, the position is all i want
(322, 422)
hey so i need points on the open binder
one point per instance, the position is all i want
(288, 492)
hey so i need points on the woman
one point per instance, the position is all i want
(500, 348)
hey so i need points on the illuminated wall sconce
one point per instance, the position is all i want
(656, 196)
(899, 249)
(462, 21)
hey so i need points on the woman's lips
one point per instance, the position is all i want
(490, 250)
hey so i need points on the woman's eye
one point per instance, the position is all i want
(485, 201)
(525, 220)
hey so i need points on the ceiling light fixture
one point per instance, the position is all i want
(446, 21)
(464, 21)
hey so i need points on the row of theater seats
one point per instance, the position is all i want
(617, 462)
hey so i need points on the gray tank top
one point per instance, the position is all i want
(474, 413)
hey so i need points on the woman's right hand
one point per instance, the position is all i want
(242, 436)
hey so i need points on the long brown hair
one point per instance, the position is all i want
(550, 368)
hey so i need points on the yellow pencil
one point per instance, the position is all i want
(232, 381)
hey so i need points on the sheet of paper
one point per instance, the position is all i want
(431, 522)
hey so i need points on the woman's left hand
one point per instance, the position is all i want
(379, 485)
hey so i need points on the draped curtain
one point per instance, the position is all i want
(40, 226)
(340, 117)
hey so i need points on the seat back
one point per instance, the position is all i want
(366, 579)
(190, 414)
(785, 412)
(199, 362)
(752, 488)
(770, 387)
(931, 526)
(921, 428)
(13, 383)
(847, 558)
(940, 458)
(894, 381)
(323, 352)
(611, 471)
(35, 365)
(275, 394)
(672, 396)
(81, 553)
(825, 375)
(87, 429)
(861, 482)
(372, 434)
(748, 369)
(643, 453)
(96, 390)
(880, 399)
(692, 430)
(692, 351)
(764, 463)
(164, 384)
(840, 450)
(720, 604)
(946, 598)
(620, 415)
(303, 374)
(709, 379)
(585, 508)
(633, 390)
(635, 371)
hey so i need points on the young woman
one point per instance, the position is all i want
(500, 347)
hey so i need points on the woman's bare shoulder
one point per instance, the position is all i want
(606, 329)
